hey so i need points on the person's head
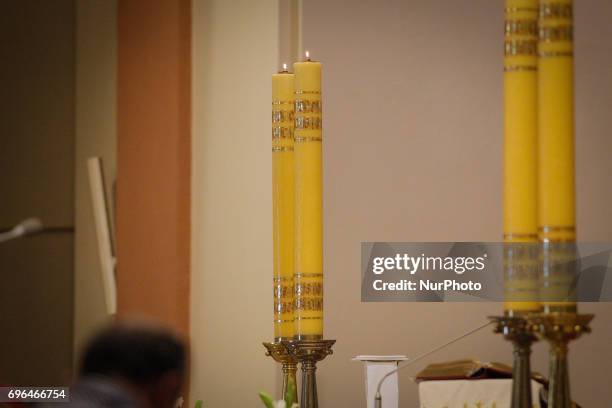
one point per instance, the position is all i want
(150, 360)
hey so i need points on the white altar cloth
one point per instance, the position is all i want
(485, 393)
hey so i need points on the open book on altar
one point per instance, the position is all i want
(469, 370)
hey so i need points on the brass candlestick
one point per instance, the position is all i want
(519, 331)
(308, 353)
(278, 351)
(559, 329)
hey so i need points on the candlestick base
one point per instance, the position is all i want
(519, 331)
(559, 329)
(278, 351)
(309, 353)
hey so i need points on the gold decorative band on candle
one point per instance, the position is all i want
(525, 251)
(302, 122)
(520, 237)
(308, 304)
(555, 54)
(302, 92)
(560, 266)
(556, 10)
(282, 102)
(308, 275)
(283, 290)
(283, 279)
(282, 149)
(520, 68)
(308, 318)
(557, 233)
(525, 270)
(282, 116)
(306, 139)
(283, 307)
(512, 10)
(521, 47)
(521, 27)
(556, 33)
(283, 321)
(521, 291)
(556, 228)
(282, 132)
(307, 106)
(309, 289)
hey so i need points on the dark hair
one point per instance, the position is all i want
(139, 354)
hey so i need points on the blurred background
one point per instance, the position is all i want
(50, 296)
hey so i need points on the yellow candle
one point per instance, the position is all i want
(283, 196)
(520, 138)
(556, 214)
(308, 202)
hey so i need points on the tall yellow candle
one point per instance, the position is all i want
(520, 139)
(283, 196)
(556, 213)
(308, 202)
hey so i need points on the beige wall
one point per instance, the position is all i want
(413, 138)
(289, 31)
(36, 179)
(96, 135)
(235, 49)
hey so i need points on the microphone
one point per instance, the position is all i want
(378, 397)
(26, 227)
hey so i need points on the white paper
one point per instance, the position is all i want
(375, 368)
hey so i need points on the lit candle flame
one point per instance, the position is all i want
(284, 67)
(307, 56)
